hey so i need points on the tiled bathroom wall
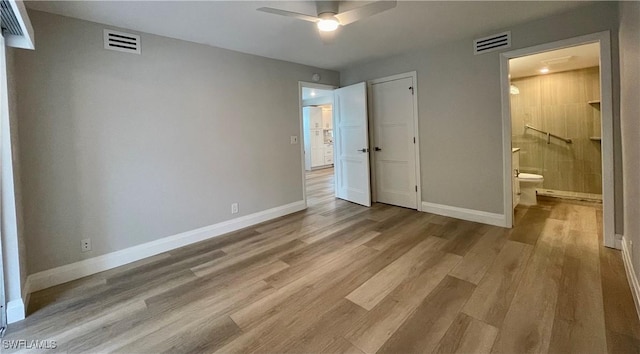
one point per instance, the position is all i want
(562, 104)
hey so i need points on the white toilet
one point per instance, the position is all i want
(528, 184)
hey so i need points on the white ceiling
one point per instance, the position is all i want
(572, 58)
(238, 26)
(309, 93)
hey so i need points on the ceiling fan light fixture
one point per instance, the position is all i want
(328, 24)
(329, 16)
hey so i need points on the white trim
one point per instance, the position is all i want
(19, 306)
(73, 271)
(631, 275)
(416, 120)
(619, 241)
(416, 131)
(606, 112)
(15, 311)
(26, 40)
(302, 84)
(507, 159)
(465, 214)
(9, 256)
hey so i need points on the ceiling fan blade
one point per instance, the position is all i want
(359, 13)
(299, 16)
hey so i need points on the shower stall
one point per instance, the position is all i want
(556, 124)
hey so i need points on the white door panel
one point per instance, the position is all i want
(393, 134)
(392, 177)
(352, 144)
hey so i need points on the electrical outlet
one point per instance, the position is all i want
(86, 245)
(234, 208)
(294, 140)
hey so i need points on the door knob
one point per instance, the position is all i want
(364, 150)
(378, 149)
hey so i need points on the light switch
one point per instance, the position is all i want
(294, 139)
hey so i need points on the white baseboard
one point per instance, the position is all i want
(631, 274)
(15, 311)
(618, 241)
(73, 271)
(465, 214)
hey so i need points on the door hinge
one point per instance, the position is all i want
(414, 139)
(411, 88)
(416, 188)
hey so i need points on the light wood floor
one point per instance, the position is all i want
(320, 187)
(343, 278)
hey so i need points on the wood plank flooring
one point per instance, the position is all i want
(341, 278)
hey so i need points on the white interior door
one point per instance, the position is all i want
(394, 142)
(352, 144)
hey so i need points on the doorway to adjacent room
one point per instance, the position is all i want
(558, 126)
(364, 136)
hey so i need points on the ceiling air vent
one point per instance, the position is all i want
(491, 43)
(8, 20)
(122, 42)
(15, 25)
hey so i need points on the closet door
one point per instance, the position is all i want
(394, 145)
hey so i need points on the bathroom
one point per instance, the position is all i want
(556, 125)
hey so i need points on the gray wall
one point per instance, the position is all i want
(126, 149)
(630, 120)
(460, 109)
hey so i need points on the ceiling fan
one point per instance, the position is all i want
(329, 17)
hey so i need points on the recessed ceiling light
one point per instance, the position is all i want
(313, 93)
(544, 70)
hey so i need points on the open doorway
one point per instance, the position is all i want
(317, 141)
(337, 140)
(347, 139)
(558, 131)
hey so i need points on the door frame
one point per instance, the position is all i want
(416, 131)
(606, 114)
(303, 84)
(4, 110)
